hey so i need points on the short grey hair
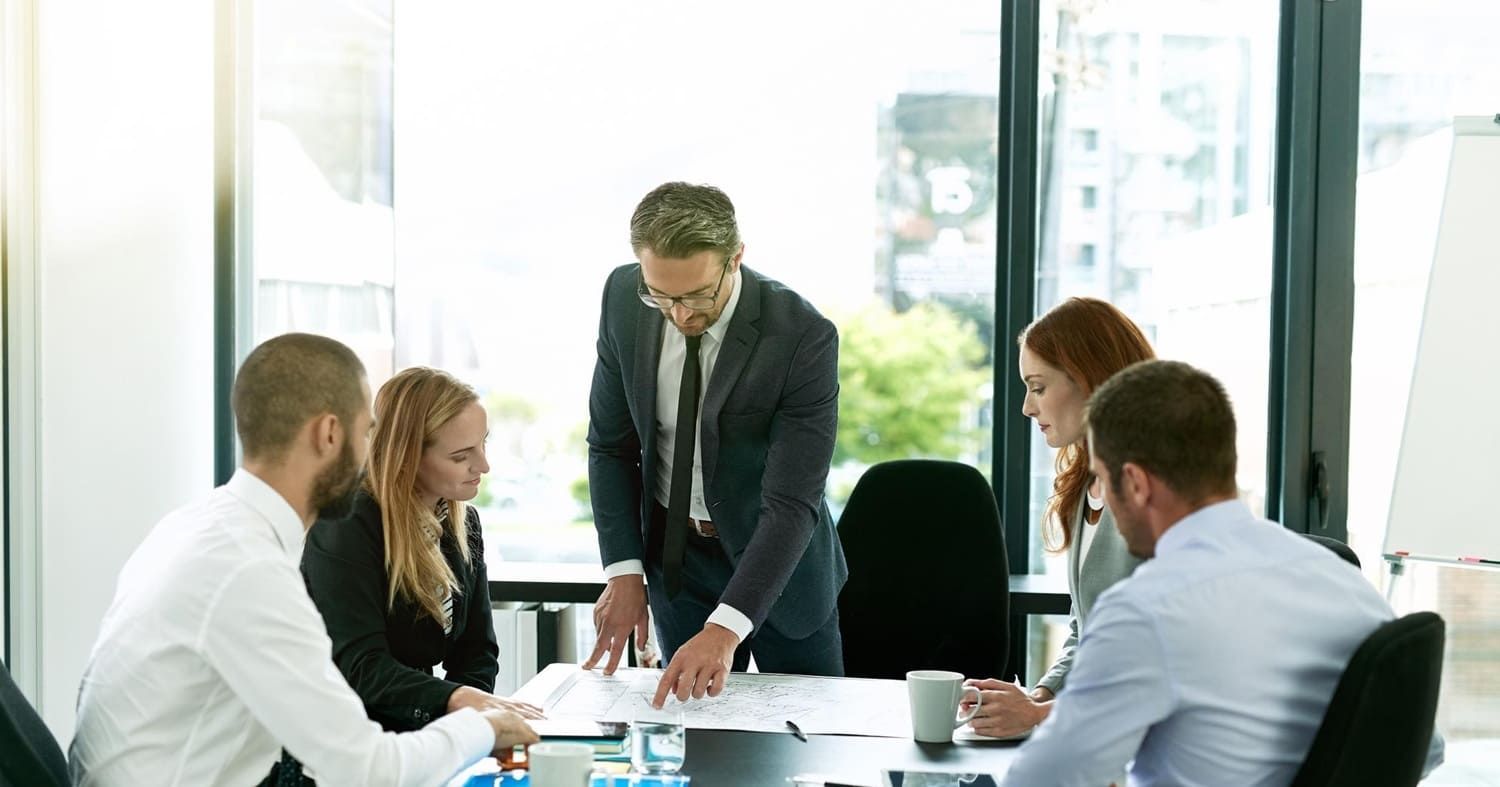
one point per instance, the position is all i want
(677, 220)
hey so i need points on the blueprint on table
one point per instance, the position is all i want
(754, 702)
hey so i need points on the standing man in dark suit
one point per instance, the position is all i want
(711, 427)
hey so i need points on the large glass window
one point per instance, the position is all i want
(1420, 66)
(859, 147)
(321, 217)
(1154, 161)
(1155, 168)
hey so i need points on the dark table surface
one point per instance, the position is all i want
(752, 759)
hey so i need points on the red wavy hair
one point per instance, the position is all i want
(1089, 340)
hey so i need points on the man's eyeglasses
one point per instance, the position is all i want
(697, 303)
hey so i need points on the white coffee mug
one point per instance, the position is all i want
(934, 696)
(557, 764)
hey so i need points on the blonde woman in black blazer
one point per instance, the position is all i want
(401, 582)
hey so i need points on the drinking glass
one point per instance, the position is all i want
(658, 740)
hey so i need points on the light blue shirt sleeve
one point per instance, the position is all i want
(1117, 690)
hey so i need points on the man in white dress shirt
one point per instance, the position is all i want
(1214, 663)
(212, 657)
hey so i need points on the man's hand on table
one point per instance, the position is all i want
(699, 667)
(620, 610)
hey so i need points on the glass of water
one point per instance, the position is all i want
(658, 741)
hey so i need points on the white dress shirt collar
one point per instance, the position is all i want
(249, 489)
(1193, 525)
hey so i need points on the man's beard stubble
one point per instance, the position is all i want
(334, 489)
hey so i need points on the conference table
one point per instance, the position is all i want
(749, 759)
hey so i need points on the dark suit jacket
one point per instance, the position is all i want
(387, 655)
(769, 418)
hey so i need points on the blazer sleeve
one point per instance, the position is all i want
(473, 656)
(615, 491)
(1058, 675)
(803, 430)
(349, 590)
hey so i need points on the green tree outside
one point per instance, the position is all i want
(908, 385)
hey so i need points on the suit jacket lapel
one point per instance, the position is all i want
(739, 340)
(648, 328)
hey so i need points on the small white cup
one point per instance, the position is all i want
(558, 764)
(934, 696)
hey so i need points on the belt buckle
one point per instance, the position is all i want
(698, 528)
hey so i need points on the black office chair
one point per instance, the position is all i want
(1379, 724)
(929, 586)
(1337, 547)
(29, 755)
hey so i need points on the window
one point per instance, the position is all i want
(866, 182)
(1184, 94)
(1419, 68)
(1168, 111)
(322, 181)
(868, 185)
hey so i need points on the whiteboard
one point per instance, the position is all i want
(1449, 466)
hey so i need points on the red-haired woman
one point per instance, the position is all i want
(1065, 355)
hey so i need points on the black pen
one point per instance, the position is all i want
(797, 731)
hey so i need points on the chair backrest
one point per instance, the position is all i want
(29, 755)
(1337, 547)
(929, 585)
(1379, 723)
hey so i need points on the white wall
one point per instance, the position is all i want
(124, 300)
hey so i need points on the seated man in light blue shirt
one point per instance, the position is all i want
(1214, 663)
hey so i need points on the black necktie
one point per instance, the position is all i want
(679, 500)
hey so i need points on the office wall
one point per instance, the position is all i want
(124, 272)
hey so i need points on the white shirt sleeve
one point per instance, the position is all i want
(268, 643)
(724, 615)
(732, 619)
(1117, 690)
(624, 568)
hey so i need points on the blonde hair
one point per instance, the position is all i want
(409, 410)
